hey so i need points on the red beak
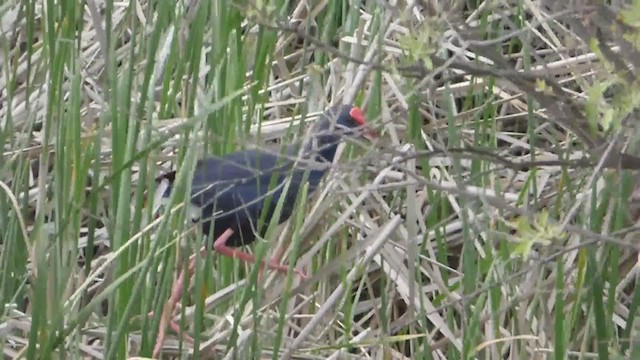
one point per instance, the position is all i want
(367, 132)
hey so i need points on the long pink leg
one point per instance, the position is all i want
(176, 294)
(220, 245)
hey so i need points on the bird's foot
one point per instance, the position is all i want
(284, 268)
(162, 332)
(175, 327)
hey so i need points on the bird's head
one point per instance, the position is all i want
(350, 121)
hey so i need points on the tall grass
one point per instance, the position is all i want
(441, 240)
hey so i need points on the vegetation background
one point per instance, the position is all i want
(495, 218)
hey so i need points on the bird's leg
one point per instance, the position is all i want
(220, 245)
(176, 294)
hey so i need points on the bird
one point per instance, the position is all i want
(229, 193)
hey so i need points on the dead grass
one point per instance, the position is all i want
(492, 219)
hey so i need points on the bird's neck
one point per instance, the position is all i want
(323, 141)
(325, 147)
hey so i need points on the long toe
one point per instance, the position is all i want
(175, 327)
(284, 268)
(301, 273)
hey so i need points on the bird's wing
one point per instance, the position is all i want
(241, 182)
(238, 180)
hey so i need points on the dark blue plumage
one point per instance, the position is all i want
(232, 190)
(237, 201)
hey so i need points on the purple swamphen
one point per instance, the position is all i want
(230, 192)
